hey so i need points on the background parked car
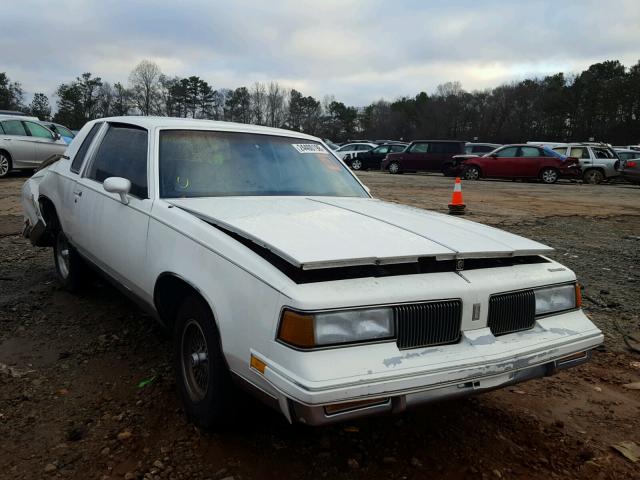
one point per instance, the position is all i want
(628, 147)
(629, 165)
(522, 161)
(25, 144)
(424, 156)
(348, 150)
(597, 160)
(472, 150)
(65, 133)
(626, 154)
(477, 149)
(372, 159)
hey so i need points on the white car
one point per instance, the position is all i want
(350, 150)
(26, 144)
(277, 271)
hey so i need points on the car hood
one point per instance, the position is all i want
(323, 232)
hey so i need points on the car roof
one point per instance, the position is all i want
(626, 150)
(190, 123)
(438, 141)
(19, 117)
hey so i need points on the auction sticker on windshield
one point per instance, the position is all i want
(309, 148)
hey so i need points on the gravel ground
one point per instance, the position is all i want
(71, 404)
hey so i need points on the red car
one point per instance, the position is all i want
(521, 161)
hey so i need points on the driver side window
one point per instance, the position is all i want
(38, 131)
(122, 153)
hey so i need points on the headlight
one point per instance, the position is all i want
(557, 299)
(308, 330)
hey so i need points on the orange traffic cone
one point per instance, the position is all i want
(457, 206)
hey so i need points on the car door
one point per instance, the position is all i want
(372, 158)
(499, 164)
(115, 234)
(582, 154)
(415, 157)
(44, 142)
(18, 143)
(528, 162)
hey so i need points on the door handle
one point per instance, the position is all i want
(7, 139)
(78, 193)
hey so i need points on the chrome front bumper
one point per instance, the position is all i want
(318, 415)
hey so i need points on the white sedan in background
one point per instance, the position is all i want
(350, 150)
(275, 269)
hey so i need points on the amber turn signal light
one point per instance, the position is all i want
(258, 364)
(297, 329)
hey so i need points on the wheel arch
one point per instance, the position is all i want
(51, 219)
(169, 291)
(6, 152)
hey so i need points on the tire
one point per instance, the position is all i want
(593, 176)
(549, 175)
(446, 170)
(471, 173)
(5, 164)
(394, 167)
(71, 269)
(356, 164)
(204, 382)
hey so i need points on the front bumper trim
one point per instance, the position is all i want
(317, 415)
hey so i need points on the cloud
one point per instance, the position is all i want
(356, 50)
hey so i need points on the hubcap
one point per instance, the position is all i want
(62, 254)
(195, 361)
(393, 168)
(4, 165)
(593, 176)
(356, 165)
(472, 174)
(549, 176)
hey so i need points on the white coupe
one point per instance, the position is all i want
(277, 271)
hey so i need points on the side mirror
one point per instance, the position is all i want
(118, 185)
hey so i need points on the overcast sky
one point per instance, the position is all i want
(358, 51)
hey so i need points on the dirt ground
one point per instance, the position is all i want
(71, 403)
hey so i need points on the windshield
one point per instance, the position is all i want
(201, 163)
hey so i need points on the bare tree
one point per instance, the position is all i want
(145, 84)
(276, 112)
(258, 103)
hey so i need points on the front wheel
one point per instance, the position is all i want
(593, 176)
(203, 380)
(394, 167)
(356, 164)
(71, 269)
(549, 175)
(471, 173)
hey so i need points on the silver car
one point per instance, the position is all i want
(598, 160)
(25, 144)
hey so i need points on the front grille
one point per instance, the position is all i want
(427, 324)
(512, 312)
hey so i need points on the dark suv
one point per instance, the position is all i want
(424, 156)
(373, 158)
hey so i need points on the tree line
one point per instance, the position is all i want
(600, 103)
